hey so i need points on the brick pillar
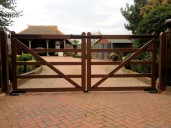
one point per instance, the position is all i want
(168, 52)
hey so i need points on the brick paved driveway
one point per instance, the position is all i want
(86, 110)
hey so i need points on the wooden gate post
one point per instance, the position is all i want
(4, 55)
(162, 62)
(168, 52)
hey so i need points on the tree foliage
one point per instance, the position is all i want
(7, 13)
(75, 42)
(153, 14)
(132, 14)
(146, 16)
(154, 21)
(151, 4)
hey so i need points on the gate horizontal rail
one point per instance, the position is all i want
(121, 75)
(117, 50)
(119, 62)
(47, 76)
(46, 36)
(79, 63)
(53, 63)
(51, 50)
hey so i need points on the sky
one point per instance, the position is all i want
(73, 16)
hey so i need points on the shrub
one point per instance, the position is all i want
(138, 67)
(17, 57)
(25, 68)
(76, 56)
(127, 66)
(21, 68)
(30, 67)
(25, 57)
(9, 56)
(114, 56)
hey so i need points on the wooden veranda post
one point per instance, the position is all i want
(5, 73)
(168, 52)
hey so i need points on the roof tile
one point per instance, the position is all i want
(41, 30)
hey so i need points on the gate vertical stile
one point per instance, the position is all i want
(14, 66)
(88, 62)
(83, 62)
(154, 67)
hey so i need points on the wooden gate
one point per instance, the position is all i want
(86, 62)
(18, 46)
(150, 46)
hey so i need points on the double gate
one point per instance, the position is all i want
(86, 62)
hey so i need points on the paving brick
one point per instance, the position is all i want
(167, 125)
(79, 110)
(42, 125)
(62, 126)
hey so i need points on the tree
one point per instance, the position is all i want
(153, 14)
(154, 21)
(7, 13)
(151, 4)
(93, 41)
(132, 14)
(75, 42)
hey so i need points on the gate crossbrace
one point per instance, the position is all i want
(45, 62)
(123, 63)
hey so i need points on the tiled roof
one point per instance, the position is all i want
(41, 30)
(103, 41)
(107, 41)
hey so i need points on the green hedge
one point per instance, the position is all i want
(21, 68)
(25, 57)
